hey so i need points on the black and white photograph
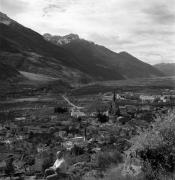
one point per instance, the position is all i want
(87, 89)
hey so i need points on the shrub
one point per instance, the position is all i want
(105, 159)
(47, 163)
(102, 118)
(77, 150)
(115, 174)
(156, 147)
(117, 157)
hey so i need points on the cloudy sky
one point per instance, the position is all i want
(144, 28)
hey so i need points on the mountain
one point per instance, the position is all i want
(28, 51)
(167, 68)
(92, 55)
(68, 58)
(7, 73)
(61, 40)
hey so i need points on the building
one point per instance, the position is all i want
(114, 107)
(147, 98)
(77, 113)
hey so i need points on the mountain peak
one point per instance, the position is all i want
(61, 40)
(4, 19)
(72, 36)
(124, 53)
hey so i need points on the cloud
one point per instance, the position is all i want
(161, 13)
(137, 26)
(13, 7)
(151, 31)
(52, 7)
(114, 42)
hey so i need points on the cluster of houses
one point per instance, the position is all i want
(144, 98)
(157, 98)
(61, 129)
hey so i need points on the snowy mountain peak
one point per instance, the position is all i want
(61, 40)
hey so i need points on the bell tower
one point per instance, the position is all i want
(114, 106)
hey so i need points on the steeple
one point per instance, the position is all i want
(114, 96)
(114, 109)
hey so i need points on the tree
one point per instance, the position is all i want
(102, 118)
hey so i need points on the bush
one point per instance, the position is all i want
(102, 118)
(156, 147)
(115, 174)
(105, 159)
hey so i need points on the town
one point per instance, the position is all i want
(86, 126)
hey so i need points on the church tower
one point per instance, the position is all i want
(114, 110)
(114, 96)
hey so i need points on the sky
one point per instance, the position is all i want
(144, 28)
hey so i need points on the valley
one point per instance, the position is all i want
(107, 111)
(98, 120)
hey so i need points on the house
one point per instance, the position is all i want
(41, 148)
(68, 145)
(77, 113)
(106, 113)
(147, 98)
(118, 96)
(93, 114)
(78, 140)
(20, 118)
(165, 98)
(53, 117)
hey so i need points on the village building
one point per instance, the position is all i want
(77, 113)
(147, 98)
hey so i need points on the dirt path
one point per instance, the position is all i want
(70, 103)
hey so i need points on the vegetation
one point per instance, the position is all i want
(106, 159)
(155, 147)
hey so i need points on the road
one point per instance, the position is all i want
(70, 103)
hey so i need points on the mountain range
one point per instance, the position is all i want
(26, 53)
(167, 68)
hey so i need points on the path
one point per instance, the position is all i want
(71, 104)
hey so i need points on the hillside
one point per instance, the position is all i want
(66, 58)
(28, 51)
(90, 54)
(7, 73)
(167, 68)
